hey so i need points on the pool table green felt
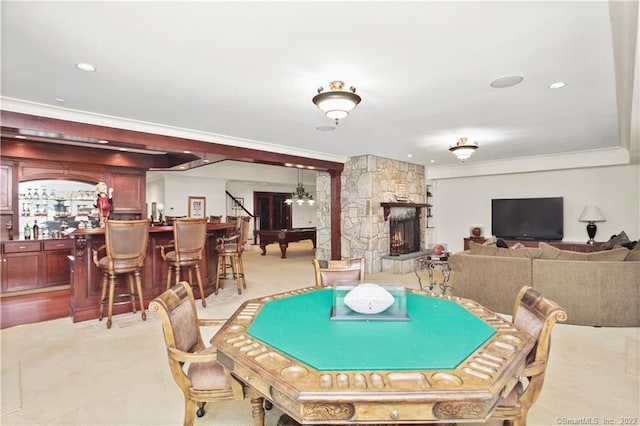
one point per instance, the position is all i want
(440, 335)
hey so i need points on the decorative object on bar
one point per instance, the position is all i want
(463, 149)
(402, 195)
(300, 196)
(591, 214)
(104, 202)
(336, 103)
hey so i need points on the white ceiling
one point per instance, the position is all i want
(248, 70)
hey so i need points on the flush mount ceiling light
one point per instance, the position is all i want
(463, 148)
(336, 103)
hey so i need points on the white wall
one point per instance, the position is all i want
(173, 189)
(464, 202)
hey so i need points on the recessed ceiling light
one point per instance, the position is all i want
(507, 81)
(20, 137)
(86, 67)
(557, 85)
(205, 161)
(432, 161)
(325, 128)
(103, 141)
(61, 100)
(123, 149)
(409, 155)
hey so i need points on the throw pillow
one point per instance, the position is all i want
(615, 240)
(500, 243)
(528, 252)
(481, 249)
(547, 251)
(614, 255)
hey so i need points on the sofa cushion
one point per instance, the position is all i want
(481, 249)
(633, 254)
(553, 253)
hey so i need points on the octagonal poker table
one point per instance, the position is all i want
(450, 362)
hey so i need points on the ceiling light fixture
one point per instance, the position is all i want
(463, 148)
(557, 85)
(300, 196)
(337, 103)
(86, 67)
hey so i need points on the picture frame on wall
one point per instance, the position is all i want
(197, 207)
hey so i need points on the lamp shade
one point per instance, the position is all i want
(591, 214)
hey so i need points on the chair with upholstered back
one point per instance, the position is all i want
(189, 236)
(205, 380)
(125, 247)
(229, 251)
(215, 219)
(536, 315)
(329, 272)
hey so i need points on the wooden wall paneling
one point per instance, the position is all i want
(129, 192)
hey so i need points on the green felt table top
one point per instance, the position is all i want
(440, 335)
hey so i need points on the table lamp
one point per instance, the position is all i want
(591, 214)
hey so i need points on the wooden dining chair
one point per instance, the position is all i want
(193, 364)
(185, 252)
(125, 247)
(329, 272)
(536, 315)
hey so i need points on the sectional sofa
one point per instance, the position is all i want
(598, 289)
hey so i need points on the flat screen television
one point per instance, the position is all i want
(539, 219)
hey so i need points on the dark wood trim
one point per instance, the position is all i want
(336, 213)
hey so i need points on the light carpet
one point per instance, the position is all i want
(61, 373)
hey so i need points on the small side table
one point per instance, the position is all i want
(431, 263)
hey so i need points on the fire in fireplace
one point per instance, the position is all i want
(404, 231)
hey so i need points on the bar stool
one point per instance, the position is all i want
(229, 250)
(189, 236)
(126, 248)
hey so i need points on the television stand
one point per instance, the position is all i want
(562, 245)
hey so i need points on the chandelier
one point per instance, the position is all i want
(337, 103)
(300, 196)
(463, 148)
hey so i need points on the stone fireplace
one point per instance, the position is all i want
(370, 187)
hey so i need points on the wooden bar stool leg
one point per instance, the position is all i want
(236, 273)
(140, 294)
(199, 278)
(241, 269)
(132, 292)
(169, 269)
(112, 289)
(103, 295)
(177, 272)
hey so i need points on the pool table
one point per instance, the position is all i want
(451, 362)
(285, 236)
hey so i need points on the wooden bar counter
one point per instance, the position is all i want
(86, 278)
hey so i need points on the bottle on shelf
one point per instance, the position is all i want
(27, 231)
(36, 231)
